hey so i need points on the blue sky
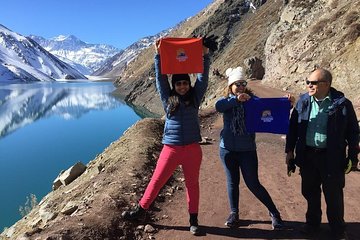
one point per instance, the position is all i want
(115, 22)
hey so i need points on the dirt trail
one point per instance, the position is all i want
(255, 221)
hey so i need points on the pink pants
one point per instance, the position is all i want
(189, 157)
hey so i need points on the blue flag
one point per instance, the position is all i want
(267, 115)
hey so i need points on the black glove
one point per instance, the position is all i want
(210, 42)
(291, 167)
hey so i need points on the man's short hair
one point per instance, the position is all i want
(325, 74)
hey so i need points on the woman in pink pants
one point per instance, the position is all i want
(181, 138)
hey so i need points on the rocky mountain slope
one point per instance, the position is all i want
(311, 34)
(289, 39)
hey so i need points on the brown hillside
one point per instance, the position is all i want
(290, 40)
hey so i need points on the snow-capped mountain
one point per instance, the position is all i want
(22, 60)
(90, 56)
(115, 65)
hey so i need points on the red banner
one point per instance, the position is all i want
(181, 55)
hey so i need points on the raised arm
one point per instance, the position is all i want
(224, 104)
(162, 83)
(202, 79)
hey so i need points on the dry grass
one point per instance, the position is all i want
(302, 3)
(334, 4)
(337, 15)
(351, 18)
(319, 27)
(352, 34)
(292, 34)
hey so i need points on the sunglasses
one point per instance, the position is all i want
(239, 84)
(314, 82)
(180, 83)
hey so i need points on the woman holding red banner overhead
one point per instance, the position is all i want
(238, 149)
(181, 138)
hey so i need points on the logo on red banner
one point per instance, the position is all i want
(181, 55)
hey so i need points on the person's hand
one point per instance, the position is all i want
(291, 98)
(205, 50)
(243, 97)
(157, 45)
(290, 162)
(210, 42)
(289, 156)
(291, 167)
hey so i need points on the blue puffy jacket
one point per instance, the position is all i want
(182, 127)
(228, 140)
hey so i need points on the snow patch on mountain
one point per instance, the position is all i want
(115, 65)
(85, 57)
(23, 60)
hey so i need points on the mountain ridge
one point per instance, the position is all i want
(90, 56)
(117, 64)
(23, 60)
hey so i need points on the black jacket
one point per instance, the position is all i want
(342, 132)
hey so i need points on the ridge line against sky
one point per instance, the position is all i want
(114, 22)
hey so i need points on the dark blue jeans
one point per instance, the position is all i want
(248, 163)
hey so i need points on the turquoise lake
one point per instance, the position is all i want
(48, 127)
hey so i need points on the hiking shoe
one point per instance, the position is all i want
(233, 220)
(276, 221)
(137, 214)
(195, 230)
(309, 229)
(194, 225)
(342, 235)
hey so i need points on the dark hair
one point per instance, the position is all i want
(227, 91)
(325, 75)
(174, 100)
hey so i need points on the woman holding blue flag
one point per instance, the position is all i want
(238, 149)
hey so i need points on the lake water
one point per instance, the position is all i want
(48, 127)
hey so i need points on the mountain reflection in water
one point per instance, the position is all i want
(22, 104)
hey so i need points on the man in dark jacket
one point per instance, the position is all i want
(323, 125)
